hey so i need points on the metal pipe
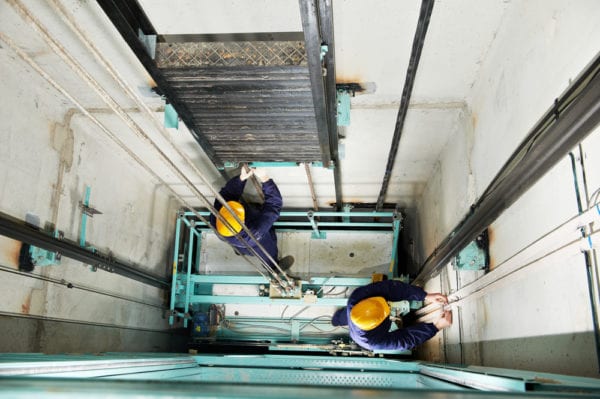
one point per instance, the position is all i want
(310, 26)
(571, 118)
(311, 186)
(411, 73)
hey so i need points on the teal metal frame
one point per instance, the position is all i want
(193, 292)
(230, 165)
(270, 376)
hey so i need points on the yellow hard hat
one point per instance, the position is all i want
(370, 312)
(225, 230)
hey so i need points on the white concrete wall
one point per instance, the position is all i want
(543, 320)
(50, 151)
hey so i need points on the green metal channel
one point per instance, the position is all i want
(308, 362)
(261, 300)
(188, 286)
(316, 213)
(174, 271)
(393, 270)
(44, 388)
(255, 280)
(315, 377)
(20, 377)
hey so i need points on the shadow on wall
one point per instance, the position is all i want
(570, 354)
(27, 335)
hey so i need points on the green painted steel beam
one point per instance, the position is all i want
(479, 381)
(316, 213)
(44, 388)
(257, 279)
(334, 224)
(308, 362)
(75, 366)
(174, 281)
(261, 300)
(311, 377)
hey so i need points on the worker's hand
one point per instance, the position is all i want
(444, 321)
(245, 175)
(261, 174)
(436, 297)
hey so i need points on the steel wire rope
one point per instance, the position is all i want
(67, 58)
(83, 287)
(121, 82)
(111, 135)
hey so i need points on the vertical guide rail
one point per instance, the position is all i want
(393, 272)
(188, 287)
(312, 38)
(327, 37)
(174, 279)
(411, 73)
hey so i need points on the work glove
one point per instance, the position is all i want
(261, 174)
(436, 298)
(245, 175)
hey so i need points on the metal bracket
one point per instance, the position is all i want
(474, 256)
(43, 257)
(149, 43)
(343, 108)
(171, 117)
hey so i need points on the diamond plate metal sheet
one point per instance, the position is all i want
(267, 53)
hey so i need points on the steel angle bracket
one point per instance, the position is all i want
(474, 256)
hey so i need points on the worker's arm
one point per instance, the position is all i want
(271, 208)
(232, 191)
(404, 338)
(391, 290)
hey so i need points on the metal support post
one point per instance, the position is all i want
(188, 286)
(174, 277)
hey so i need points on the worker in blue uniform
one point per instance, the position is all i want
(367, 315)
(259, 220)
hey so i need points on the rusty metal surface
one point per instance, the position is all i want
(251, 113)
(258, 53)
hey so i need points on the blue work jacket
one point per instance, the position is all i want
(259, 219)
(381, 337)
